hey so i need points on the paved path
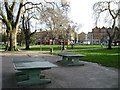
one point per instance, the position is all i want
(77, 49)
(25, 52)
(91, 75)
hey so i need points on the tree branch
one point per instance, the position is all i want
(1, 18)
(32, 3)
(19, 13)
(5, 20)
(33, 33)
(110, 10)
(50, 3)
(13, 6)
(29, 9)
(118, 13)
(118, 29)
(9, 12)
(30, 18)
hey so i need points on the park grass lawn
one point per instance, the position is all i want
(45, 47)
(104, 57)
(2, 47)
(58, 47)
(11, 51)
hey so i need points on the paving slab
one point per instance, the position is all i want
(91, 75)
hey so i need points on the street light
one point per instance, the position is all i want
(40, 39)
(62, 37)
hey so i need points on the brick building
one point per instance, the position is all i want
(98, 35)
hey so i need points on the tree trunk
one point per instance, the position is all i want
(12, 45)
(21, 43)
(21, 38)
(63, 48)
(72, 46)
(109, 44)
(8, 41)
(27, 39)
(27, 45)
(53, 42)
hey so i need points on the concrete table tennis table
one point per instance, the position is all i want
(27, 59)
(24, 59)
(31, 71)
(71, 59)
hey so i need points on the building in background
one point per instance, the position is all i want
(98, 36)
(60, 36)
(90, 37)
(82, 38)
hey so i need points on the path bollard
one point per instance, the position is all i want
(51, 50)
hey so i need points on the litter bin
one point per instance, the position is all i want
(51, 50)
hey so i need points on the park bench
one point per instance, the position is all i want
(30, 70)
(71, 59)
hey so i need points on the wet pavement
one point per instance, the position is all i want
(91, 75)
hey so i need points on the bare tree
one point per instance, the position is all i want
(26, 29)
(107, 6)
(11, 21)
(54, 16)
(20, 37)
(11, 12)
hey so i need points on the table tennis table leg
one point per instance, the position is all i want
(64, 60)
(75, 62)
(34, 78)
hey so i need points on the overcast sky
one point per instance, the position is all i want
(81, 13)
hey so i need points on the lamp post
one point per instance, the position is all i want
(40, 39)
(61, 36)
(62, 39)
